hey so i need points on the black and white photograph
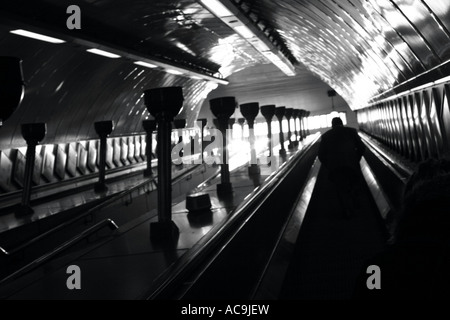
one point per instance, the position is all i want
(225, 158)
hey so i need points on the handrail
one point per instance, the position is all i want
(243, 212)
(104, 203)
(400, 170)
(35, 263)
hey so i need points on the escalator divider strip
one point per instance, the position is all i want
(288, 234)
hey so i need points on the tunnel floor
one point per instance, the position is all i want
(331, 249)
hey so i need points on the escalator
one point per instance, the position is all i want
(331, 248)
(287, 247)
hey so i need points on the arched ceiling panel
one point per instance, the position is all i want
(427, 26)
(440, 11)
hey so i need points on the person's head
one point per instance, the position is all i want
(336, 122)
(426, 203)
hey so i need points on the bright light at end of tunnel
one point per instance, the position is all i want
(36, 36)
(334, 114)
(103, 53)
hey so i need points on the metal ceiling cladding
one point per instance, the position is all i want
(440, 10)
(70, 90)
(427, 28)
(361, 48)
(182, 32)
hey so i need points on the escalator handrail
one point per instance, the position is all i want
(397, 168)
(98, 207)
(44, 258)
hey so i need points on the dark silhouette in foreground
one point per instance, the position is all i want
(416, 264)
(340, 151)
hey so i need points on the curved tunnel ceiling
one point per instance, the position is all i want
(364, 49)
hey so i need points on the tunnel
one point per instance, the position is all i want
(173, 150)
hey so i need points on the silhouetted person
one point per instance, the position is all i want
(416, 265)
(340, 151)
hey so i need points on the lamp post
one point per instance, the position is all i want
(288, 115)
(103, 129)
(223, 108)
(164, 104)
(199, 202)
(295, 114)
(279, 113)
(302, 124)
(268, 111)
(33, 133)
(250, 111)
